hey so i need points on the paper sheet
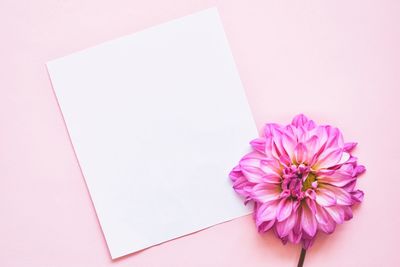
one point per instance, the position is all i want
(157, 119)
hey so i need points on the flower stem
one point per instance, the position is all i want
(302, 256)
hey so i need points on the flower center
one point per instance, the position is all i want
(297, 179)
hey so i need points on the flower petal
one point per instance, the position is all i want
(342, 196)
(335, 138)
(283, 228)
(360, 169)
(271, 128)
(284, 209)
(325, 222)
(310, 125)
(345, 157)
(265, 226)
(337, 213)
(357, 196)
(266, 212)
(255, 166)
(300, 153)
(240, 183)
(348, 213)
(310, 193)
(348, 147)
(308, 221)
(271, 178)
(339, 177)
(308, 242)
(325, 197)
(299, 120)
(271, 165)
(258, 144)
(265, 192)
(350, 186)
(321, 132)
(294, 237)
(311, 145)
(328, 158)
(288, 144)
(253, 174)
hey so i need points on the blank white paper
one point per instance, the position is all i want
(157, 119)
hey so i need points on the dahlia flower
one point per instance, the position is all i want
(301, 178)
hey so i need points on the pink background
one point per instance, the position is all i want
(336, 61)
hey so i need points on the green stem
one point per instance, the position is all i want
(302, 256)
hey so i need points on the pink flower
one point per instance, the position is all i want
(301, 178)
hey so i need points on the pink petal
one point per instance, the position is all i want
(288, 144)
(265, 226)
(266, 212)
(271, 165)
(277, 135)
(255, 166)
(345, 157)
(311, 145)
(352, 160)
(310, 125)
(240, 183)
(357, 196)
(236, 171)
(340, 177)
(325, 221)
(284, 209)
(300, 153)
(337, 213)
(271, 128)
(360, 169)
(253, 174)
(350, 186)
(277, 148)
(311, 204)
(301, 134)
(308, 242)
(299, 120)
(335, 138)
(283, 228)
(348, 213)
(271, 178)
(308, 221)
(258, 144)
(324, 172)
(294, 237)
(297, 228)
(328, 158)
(310, 193)
(268, 147)
(273, 132)
(325, 197)
(348, 147)
(296, 205)
(322, 133)
(265, 192)
(284, 239)
(342, 196)
(285, 160)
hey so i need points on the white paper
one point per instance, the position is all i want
(157, 119)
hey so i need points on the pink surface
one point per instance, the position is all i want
(336, 61)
